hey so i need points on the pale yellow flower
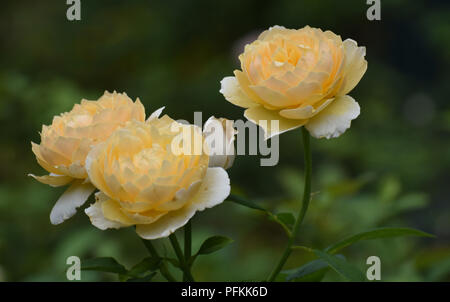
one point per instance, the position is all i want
(299, 78)
(67, 141)
(144, 182)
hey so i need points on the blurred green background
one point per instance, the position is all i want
(390, 169)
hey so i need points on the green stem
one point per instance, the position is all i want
(179, 253)
(187, 247)
(154, 253)
(304, 208)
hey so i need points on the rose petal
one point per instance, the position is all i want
(305, 91)
(53, 180)
(181, 198)
(334, 119)
(355, 66)
(112, 211)
(74, 197)
(304, 112)
(93, 170)
(244, 84)
(273, 98)
(97, 218)
(214, 189)
(234, 94)
(269, 33)
(156, 114)
(37, 152)
(264, 117)
(75, 170)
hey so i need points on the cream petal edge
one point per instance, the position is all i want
(53, 180)
(95, 213)
(233, 93)
(67, 204)
(259, 114)
(91, 159)
(335, 119)
(214, 189)
(356, 66)
(305, 112)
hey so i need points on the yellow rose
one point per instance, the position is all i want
(145, 182)
(67, 141)
(298, 77)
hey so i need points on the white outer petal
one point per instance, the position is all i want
(222, 153)
(156, 114)
(213, 191)
(67, 204)
(95, 213)
(334, 119)
(224, 161)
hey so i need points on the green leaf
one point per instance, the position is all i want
(312, 271)
(147, 278)
(103, 264)
(245, 203)
(213, 244)
(147, 265)
(375, 234)
(342, 267)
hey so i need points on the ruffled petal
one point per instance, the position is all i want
(304, 112)
(272, 97)
(234, 94)
(264, 117)
(214, 189)
(355, 66)
(53, 180)
(334, 119)
(97, 218)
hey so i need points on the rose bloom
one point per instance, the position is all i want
(144, 179)
(299, 78)
(67, 141)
